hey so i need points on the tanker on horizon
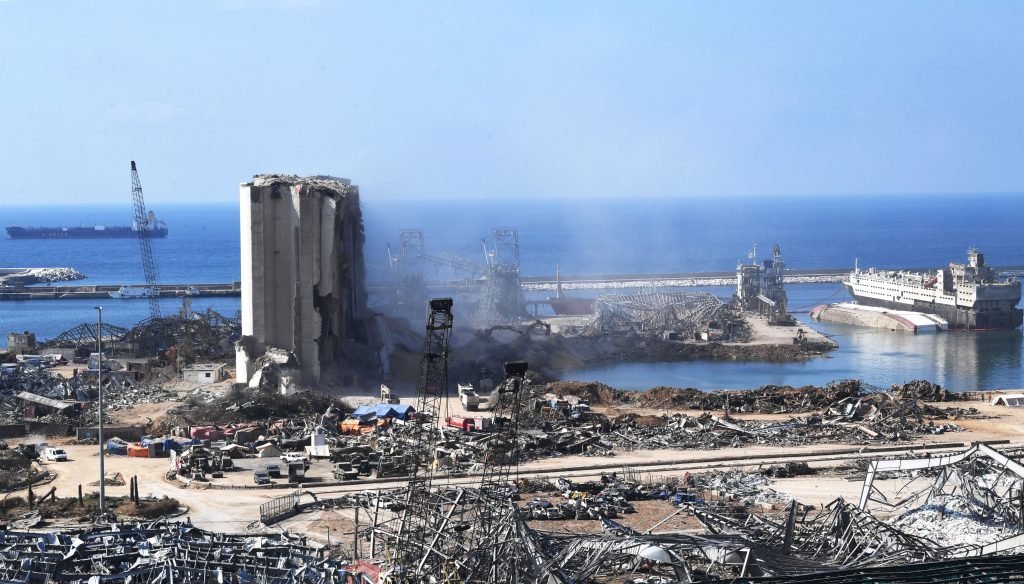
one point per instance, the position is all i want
(156, 227)
(967, 296)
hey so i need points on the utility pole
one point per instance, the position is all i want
(99, 383)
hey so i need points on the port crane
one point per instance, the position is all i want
(143, 225)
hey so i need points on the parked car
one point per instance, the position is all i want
(80, 360)
(55, 454)
(261, 477)
(293, 457)
(273, 469)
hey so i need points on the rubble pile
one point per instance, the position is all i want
(744, 487)
(558, 426)
(15, 469)
(76, 394)
(844, 411)
(924, 391)
(769, 399)
(242, 405)
(953, 523)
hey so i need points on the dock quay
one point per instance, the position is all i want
(529, 284)
(659, 280)
(104, 291)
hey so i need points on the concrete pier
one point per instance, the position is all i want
(100, 291)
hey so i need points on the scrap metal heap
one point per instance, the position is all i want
(655, 313)
(162, 552)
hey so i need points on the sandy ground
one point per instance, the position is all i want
(766, 334)
(234, 509)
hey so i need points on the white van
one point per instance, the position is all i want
(55, 454)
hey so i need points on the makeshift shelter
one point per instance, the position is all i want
(268, 450)
(1010, 400)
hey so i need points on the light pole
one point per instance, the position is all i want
(99, 383)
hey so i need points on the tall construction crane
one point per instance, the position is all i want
(143, 224)
(411, 553)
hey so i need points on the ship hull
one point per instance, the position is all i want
(80, 233)
(957, 317)
(571, 306)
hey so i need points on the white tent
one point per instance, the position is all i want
(1012, 400)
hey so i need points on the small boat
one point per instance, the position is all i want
(133, 292)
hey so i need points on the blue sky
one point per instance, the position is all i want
(499, 99)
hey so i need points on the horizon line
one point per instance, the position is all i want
(534, 198)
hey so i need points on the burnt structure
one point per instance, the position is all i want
(302, 271)
(760, 288)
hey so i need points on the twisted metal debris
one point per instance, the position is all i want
(163, 552)
(654, 313)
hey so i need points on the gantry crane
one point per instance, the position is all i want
(143, 224)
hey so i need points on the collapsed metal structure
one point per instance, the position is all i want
(479, 537)
(501, 301)
(654, 313)
(414, 531)
(162, 552)
(760, 287)
(497, 279)
(192, 334)
(84, 336)
(988, 481)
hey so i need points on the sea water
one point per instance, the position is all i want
(598, 236)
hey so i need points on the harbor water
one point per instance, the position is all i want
(604, 236)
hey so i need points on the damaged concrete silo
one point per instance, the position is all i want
(302, 271)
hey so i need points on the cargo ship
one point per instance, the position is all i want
(157, 228)
(967, 296)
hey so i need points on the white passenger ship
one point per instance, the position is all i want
(966, 295)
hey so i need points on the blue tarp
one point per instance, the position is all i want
(399, 411)
(117, 447)
(164, 443)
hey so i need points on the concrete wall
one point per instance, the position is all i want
(49, 429)
(12, 430)
(302, 270)
(127, 433)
